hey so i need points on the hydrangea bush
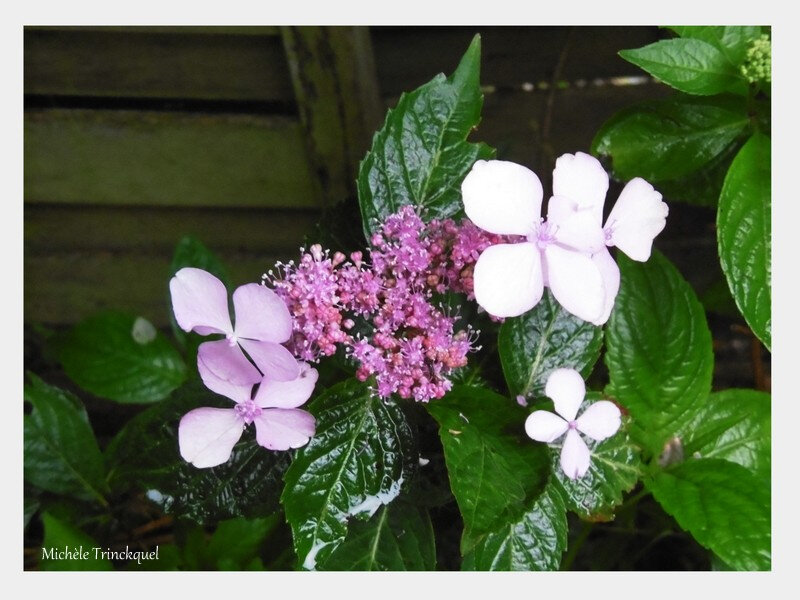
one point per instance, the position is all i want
(441, 367)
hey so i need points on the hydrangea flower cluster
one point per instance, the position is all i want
(402, 338)
(758, 61)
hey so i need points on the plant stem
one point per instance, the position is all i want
(572, 552)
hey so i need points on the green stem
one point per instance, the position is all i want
(566, 564)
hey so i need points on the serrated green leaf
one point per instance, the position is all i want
(733, 425)
(66, 548)
(360, 457)
(61, 453)
(122, 358)
(495, 470)
(545, 338)
(191, 252)
(145, 456)
(689, 65)
(535, 542)
(744, 231)
(723, 505)
(420, 155)
(659, 354)
(614, 469)
(663, 140)
(731, 40)
(399, 537)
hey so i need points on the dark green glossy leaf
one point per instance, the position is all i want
(61, 453)
(495, 470)
(121, 357)
(545, 338)
(420, 155)
(66, 548)
(734, 425)
(614, 469)
(731, 40)
(701, 187)
(689, 65)
(399, 537)
(190, 252)
(359, 459)
(236, 542)
(145, 456)
(31, 506)
(535, 542)
(744, 231)
(659, 353)
(670, 139)
(723, 505)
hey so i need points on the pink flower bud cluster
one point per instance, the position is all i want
(404, 340)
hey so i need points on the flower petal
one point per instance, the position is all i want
(238, 392)
(274, 361)
(227, 363)
(637, 218)
(508, 279)
(576, 282)
(581, 178)
(609, 271)
(281, 428)
(600, 421)
(544, 426)
(261, 314)
(206, 436)
(575, 456)
(200, 302)
(502, 197)
(287, 394)
(567, 390)
(575, 228)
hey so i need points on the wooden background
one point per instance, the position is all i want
(241, 135)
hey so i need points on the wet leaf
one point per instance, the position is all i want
(545, 338)
(420, 155)
(744, 233)
(399, 537)
(362, 454)
(659, 352)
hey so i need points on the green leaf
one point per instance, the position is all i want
(670, 139)
(121, 357)
(420, 155)
(66, 548)
(744, 230)
(689, 65)
(190, 252)
(535, 542)
(723, 505)
(360, 457)
(145, 456)
(731, 40)
(733, 425)
(495, 470)
(399, 537)
(31, 506)
(614, 469)
(659, 354)
(61, 453)
(545, 338)
(236, 542)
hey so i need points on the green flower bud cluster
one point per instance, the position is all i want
(758, 62)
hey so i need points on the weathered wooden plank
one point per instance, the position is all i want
(66, 287)
(145, 63)
(165, 159)
(336, 88)
(407, 57)
(49, 228)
